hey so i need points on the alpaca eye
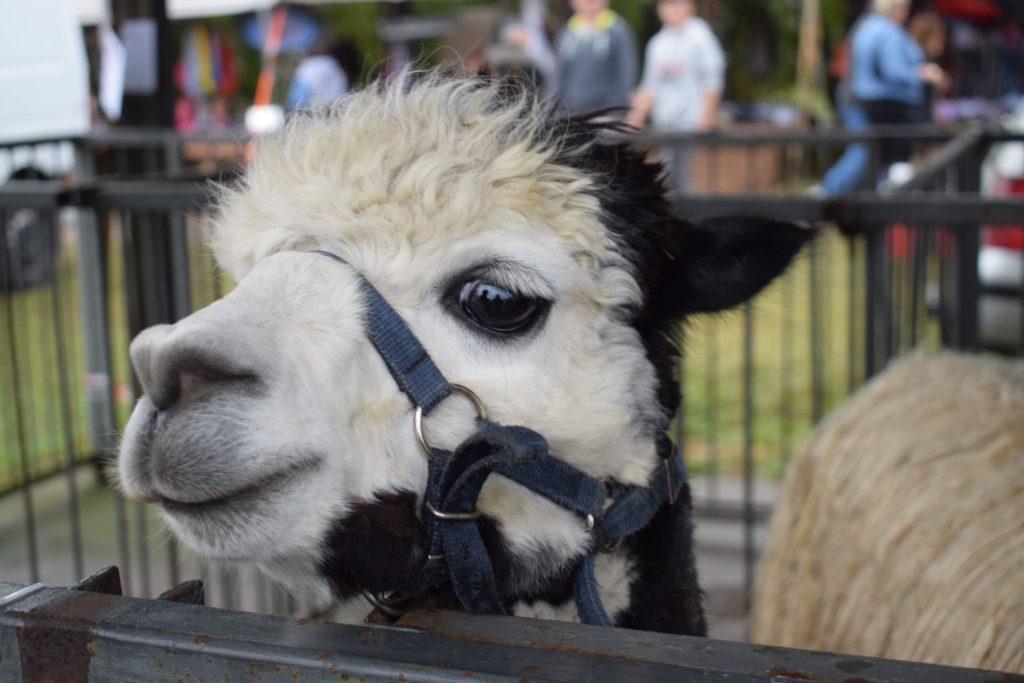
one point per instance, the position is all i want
(496, 309)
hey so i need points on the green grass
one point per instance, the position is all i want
(31, 383)
(781, 379)
(713, 368)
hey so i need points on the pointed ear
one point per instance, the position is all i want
(720, 263)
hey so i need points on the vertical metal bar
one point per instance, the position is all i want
(153, 257)
(711, 411)
(181, 295)
(826, 306)
(870, 296)
(851, 303)
(895, 290)
(173, 561)
(9, 274)
(680, 427)
(130, 294)
(917, 283)
(886, 298)
(142, 549)
(94, 316)
(876, 161)
(1020, 331)
(930, 296)
(74, 512)
(135, 270)
(262, 605)
(280, 599)
(228, 586)
(968, 243)
(817, 391)
(95, 288)
(748, 454)
(786, 368)
(76, 357)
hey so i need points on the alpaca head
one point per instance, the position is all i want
(538, 267)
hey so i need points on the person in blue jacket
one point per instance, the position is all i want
(889, 73)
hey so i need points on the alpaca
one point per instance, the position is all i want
(538, 265)
(900, 529)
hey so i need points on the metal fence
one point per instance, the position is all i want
(91, 633)
(105, 258)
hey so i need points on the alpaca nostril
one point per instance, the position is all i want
(177, 364)
(189, 376)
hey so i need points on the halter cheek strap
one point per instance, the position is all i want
(455, 546)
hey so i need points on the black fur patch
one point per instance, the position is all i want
(666, 595)
(377, 547)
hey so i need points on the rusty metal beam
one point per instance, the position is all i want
(73, 636)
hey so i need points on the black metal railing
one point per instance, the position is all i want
(92, 633)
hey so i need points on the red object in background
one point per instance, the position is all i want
(899, 241)
(1008, 238)
(1011, 236)
(976, 11)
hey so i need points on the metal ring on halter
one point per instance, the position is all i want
(452, 516)
(394, 605)
(417, 417)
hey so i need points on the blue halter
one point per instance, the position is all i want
(455, 547)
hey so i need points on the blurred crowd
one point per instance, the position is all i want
(887, 70)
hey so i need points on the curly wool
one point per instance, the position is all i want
(900, 531)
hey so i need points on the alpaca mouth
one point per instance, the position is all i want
(249, 495)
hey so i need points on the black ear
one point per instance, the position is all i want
(720, 263)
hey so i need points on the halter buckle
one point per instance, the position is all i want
(417, 416)
(393, 605)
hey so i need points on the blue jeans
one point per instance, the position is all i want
(848, 172)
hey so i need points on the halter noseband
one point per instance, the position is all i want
(455, 547)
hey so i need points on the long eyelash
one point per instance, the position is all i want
(511, 276)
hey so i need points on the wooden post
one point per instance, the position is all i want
(809, 54)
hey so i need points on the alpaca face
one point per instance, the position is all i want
(529, 262)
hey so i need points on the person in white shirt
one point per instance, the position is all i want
(683, 78)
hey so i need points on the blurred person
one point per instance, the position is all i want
(848, 173)
(596, 59)
(321, 77)
(889, 73)
(529, 35)
(929, 31)
(684, 74)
